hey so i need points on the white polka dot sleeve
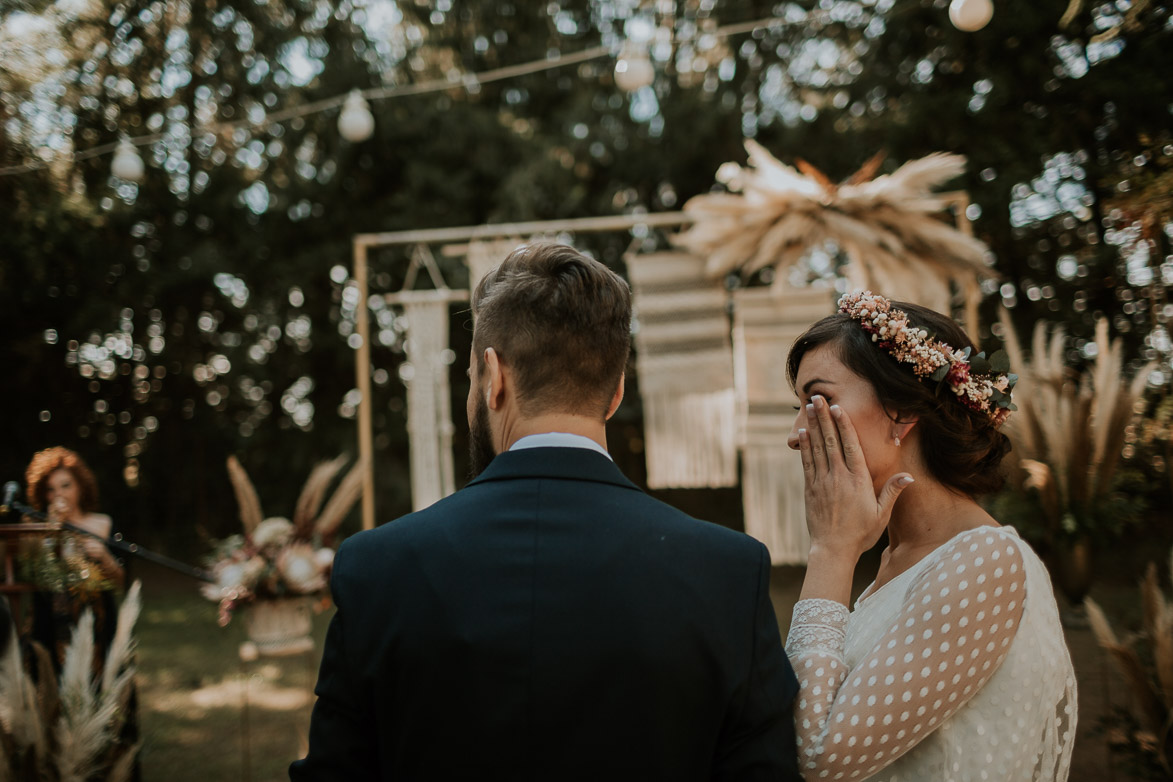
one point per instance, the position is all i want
(954, 629)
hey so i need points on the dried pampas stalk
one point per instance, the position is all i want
(313, 494)
(1152, 602)
(20, 720)
(1075, 426)
(90, 715)
(121, 648)
(246, 496)
(347, 493)
(82, 731)
(1152, 710)
(123, 767)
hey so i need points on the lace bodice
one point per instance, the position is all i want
(955, 670)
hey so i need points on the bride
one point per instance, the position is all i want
(952, 665)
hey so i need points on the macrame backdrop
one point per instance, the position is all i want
(765, 324)
(685, 370)
(429, 409)
(482, 256)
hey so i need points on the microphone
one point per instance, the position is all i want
(11, 489)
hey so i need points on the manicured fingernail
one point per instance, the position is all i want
(818, 400)
(836, 410)
(801, 433)
(907, 479)
(810, 409)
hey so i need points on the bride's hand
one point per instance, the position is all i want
(844, 515)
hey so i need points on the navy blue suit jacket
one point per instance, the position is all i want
(550, 621)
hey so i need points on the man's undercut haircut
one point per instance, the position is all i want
(561, 322)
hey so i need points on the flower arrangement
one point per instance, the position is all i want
(61, 566)
(276, 557)
(981, 384)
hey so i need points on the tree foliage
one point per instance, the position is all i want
(160, 327)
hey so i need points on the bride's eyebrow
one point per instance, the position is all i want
(807, 385)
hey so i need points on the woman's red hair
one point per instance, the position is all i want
(48, 461)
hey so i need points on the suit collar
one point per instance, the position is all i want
(579, 464)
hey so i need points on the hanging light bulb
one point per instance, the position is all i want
(634, 69)
(970, 15)
(127, 164)
(355, 123)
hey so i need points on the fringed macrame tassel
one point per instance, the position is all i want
(766, 323)
(772, 494)
(680, 431)
(684, 363)
(429, 409)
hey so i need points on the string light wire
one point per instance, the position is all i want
(469, 81)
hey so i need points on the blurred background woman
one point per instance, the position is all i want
(76, 571)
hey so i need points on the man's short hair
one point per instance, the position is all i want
(561, 322)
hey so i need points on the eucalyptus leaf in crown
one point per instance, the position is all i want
(276, 557)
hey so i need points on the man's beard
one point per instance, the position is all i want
(480, 441)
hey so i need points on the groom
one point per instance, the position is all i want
(550, 621)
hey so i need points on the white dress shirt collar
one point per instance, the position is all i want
(558, 440)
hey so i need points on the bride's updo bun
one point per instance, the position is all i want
(960, 447)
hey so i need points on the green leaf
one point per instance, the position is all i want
(979, 365)
(939, 375)
(1000, 362)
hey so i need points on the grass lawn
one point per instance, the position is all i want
(204, 714)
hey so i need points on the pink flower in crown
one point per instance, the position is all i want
(958, 374)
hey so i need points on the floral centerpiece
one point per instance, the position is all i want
(276, 557)
(60, 565)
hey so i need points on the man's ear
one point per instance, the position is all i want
(496, 379)
(616, 399)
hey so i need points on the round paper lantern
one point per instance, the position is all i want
(355, 123)
(127, 164)
(634, 71)
(970, 15)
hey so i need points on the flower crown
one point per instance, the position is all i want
(980, 384)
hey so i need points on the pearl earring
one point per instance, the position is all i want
(896, 440)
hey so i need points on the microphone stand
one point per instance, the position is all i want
(115, 542)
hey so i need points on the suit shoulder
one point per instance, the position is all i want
(710, 534)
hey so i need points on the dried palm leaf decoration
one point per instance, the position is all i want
(888, 226)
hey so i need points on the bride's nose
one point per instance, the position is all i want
(792, 438)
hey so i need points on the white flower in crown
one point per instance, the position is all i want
(978, 383)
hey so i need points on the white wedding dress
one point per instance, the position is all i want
(955, 670)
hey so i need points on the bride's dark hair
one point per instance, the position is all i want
(960, 447)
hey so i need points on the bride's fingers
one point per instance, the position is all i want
(852, 450)
(829, 432)
(818, 447)
(804, 452)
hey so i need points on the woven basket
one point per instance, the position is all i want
(280, 627)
